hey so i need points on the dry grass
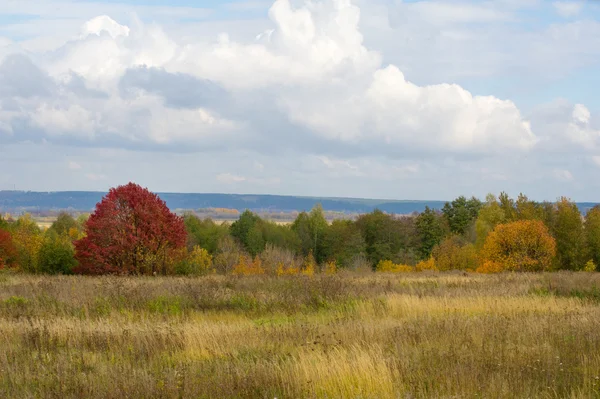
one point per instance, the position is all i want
(349, 335)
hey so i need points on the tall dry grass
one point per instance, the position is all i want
(348, 335)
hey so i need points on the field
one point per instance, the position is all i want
(348, 335)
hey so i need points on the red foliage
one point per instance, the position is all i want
(131, 232)
(8, 251)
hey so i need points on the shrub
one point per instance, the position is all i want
(455, 253)
(56, 255)
(590, 266)
(387, 266)
(330, 267)
(245, 267)
(195, 263)
(428, 264)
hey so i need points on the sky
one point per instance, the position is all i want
(418, 100)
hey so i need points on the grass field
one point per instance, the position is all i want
(348, 335)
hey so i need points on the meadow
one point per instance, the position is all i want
(350, 335)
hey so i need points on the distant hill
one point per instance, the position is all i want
(86, 200)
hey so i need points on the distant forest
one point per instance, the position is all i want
(11, 201)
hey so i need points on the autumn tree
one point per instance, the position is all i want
(568, 231)
(28, 240)
(524, 245)
(455, 253)
(8, 251)
(130, 232)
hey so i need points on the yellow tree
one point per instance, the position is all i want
(28, 240)
(524, 245)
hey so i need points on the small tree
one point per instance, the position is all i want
(56, 255)
(8, 251)
(196, 263)
(131, 232)
(524, 245)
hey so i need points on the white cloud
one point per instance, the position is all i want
(103, 24)
(563, 175)
(315, 72)
(229, 178)
(568, 8)
(351, 91)
(96, 177)
(232, 179)
(74, 165)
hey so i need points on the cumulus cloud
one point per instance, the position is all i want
(343, 89)
(312, 75)
(568, 8)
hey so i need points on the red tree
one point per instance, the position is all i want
(131, 232)
(8, 251)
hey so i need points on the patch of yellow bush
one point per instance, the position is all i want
(387, 266)
(428, 264)
(246, 267)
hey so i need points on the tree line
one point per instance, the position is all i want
(132, 231)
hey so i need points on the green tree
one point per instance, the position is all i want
(204, 233)
(63, 224)
(490, 215)
(592, 233)
(570, 237)
(343, 242)
(57, 255)
(389, 238)
(310, 229)
(461, 213)
(508, 206)
(245, 231)
(431, 230)
(527, 210)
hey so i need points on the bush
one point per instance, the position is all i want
(455, 253)
(428, 264)
(387, 266)
(245, 267)
(196, 263)
(56, 255)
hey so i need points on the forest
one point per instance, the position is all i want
(133, 232)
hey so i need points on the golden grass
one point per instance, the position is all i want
(354, 336)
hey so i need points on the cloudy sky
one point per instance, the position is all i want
(361, 98)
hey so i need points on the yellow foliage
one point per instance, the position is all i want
(330, 267)
(524, 245)
(428, 264)
(309, 266)
(453, 253)
(489, 267)
(75, 234)
(387, 266)
(282, 270)
(590, 266)
(245, 267)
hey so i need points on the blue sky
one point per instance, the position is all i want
(379, 98)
